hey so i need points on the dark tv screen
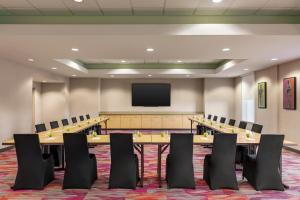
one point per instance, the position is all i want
(151, 94)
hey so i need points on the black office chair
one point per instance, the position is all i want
(219, 167)
(81, 166)
(124, 170)
(88, 116)
(222, 120)
(243, 125)
(65, 122)
(54, 124)
(179, 165)
(215, 118)
(40, 128)
(209, 116)
(263, 171)
(257, 128)
(231, 122)
(35, 170)
(81, 118)
(74, 120)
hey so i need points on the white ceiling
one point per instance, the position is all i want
(149, 7)
(256, 45)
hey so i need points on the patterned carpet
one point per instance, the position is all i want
(291, 165)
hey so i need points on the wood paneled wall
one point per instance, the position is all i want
(149, 121)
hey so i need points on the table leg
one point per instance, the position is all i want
(142, 165)
(159, 165)
(280, 168)
(62, 157)
(105, 122)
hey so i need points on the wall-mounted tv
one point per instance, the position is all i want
(151, 94)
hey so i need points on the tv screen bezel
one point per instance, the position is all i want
(167, 84)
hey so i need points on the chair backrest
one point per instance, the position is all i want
(76, 148)
(181, 145)
(231, 122)
(121, 146)
(88, 116)
(28, 150)
(74, 120)
(65, 122)
(257, 128)
(269, 151)
(222, 120)
(243, 125)
(215, 118)
(209, 116)
(54, 124)
(81, 118)
(224, 148)
(40, 128)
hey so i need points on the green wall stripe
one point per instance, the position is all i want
(150, 19)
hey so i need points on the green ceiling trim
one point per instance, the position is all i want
(152, 65)
(149, 19)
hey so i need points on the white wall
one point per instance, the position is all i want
(186, 95)
(268, 116)
(248, 98)
(289, 120)
(84, 96)
(238, 98)
(38, 106)
(16, 97)
(219, 97)
(55, 105)
(276, 119)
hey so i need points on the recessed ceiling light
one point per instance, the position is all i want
(78, 1)
(74, 75)
(246, 69)
(226, 49)
(274, 59)
(179, 61)
(149, 75)
(30, 59)
(75, 49)
(54, 68)
(150, 49)
(217, 1)
(123, 61)
(44, 81)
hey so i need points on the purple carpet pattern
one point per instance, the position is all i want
(8, 168)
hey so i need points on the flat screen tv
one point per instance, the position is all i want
(151, 94)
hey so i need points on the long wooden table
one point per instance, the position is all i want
(139, 139)
(244, 137)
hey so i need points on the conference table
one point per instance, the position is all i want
(244, 137)
(162, 140)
